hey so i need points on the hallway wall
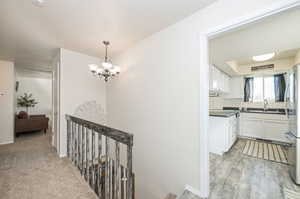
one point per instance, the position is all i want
(77, 86)
(7, 90)
(157, 98)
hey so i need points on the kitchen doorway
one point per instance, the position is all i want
(204, 81)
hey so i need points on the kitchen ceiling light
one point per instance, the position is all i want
(263, 57)
(38, 3)
(108, 70)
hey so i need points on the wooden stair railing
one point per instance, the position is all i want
(96, 150)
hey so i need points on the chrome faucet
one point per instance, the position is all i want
(265, 104)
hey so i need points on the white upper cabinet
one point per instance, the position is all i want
(218, 81)
(236, 85)
(226, 84)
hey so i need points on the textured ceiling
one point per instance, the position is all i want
(29, 34)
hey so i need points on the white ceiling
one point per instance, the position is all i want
(29, 34)
(274, 34)
(289, 54)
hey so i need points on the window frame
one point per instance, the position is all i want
(263, 76)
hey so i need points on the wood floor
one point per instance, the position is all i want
(237, 176)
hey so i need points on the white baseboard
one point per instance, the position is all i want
(62, 155)
(9, 142)
(193, 190)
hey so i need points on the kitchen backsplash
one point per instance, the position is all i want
(220, 102)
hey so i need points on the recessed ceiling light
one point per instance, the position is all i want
(38, 3)
(263, 57)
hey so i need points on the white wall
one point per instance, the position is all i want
(7, 90)
(77, 86)
(157, 96)
(41, 89)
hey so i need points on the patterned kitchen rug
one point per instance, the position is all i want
(265, 150)
(290, 194)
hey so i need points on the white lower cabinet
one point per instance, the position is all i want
(222, 133)
(264, 126)
(252, 127)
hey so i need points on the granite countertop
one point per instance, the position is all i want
(276, 111)
(223, 113)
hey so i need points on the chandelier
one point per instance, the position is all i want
(108, 70)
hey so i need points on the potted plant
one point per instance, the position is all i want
(26, 101)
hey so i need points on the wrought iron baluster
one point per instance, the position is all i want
(68, 137)
(99, 162)
(76, 143)
(129, 171)
(93, 159)
(107, 191)
(78, 147)
(88, 154)
(122, 183)
(116, 172)
(73, 142)
(110, 178)
(82, 149)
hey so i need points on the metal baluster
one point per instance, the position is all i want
(126, 182)
(133, 186)
(116, 172)
(78, 147)
(99, 161)
(107, 168)
(87, 155)
(122, 183)
(93, 158)
(82, 150)
(76, 143)
(110, 178)
(73, 142)
(68, 138)
(129, 168)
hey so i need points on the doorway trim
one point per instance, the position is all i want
(204, 78)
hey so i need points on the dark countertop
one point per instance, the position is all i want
(223, 113)
(275, 111)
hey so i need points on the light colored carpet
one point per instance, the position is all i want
(30, 169)
(265, 150)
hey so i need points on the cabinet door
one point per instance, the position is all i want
(215, 77)
(252, 128)
(211, 71)
(221, 80)
(233, 130)
(236, 85)
(275, 129)
(227, 79)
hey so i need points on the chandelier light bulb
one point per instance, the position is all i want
(93, 67)
(113, 71)
(99, 71)
(38, 3)
(117, 69)
(107, 65)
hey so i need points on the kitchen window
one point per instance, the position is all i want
(270, 88)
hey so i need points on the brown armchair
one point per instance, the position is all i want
(32, 123)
